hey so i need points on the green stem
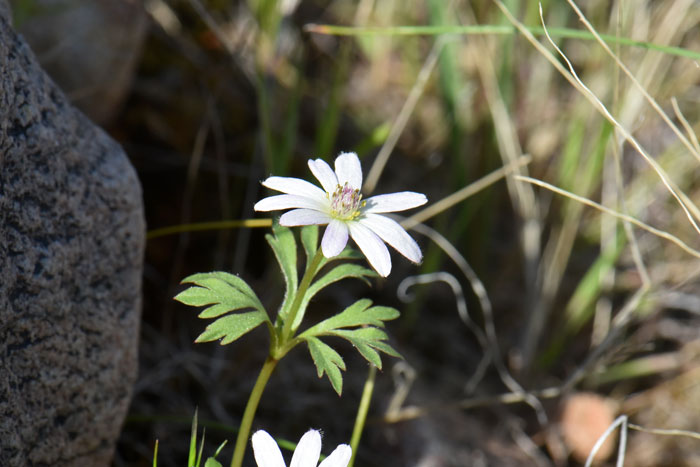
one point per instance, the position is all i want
(216, 225)
(301, 291)
(250, 408)
(362, 412)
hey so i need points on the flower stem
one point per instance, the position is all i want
(362, 412)
(250, 408)
(301, 291)
(278, 348)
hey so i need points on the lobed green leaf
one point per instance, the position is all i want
(309, 239)
(366, 340)
(367, 337)
(340, 272)
(224, 291)
(327, 361)
(231, 327)
(284, 246)
(358, 314)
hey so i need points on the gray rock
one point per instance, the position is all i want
(5, 10)
(90, 48)
(71, 253)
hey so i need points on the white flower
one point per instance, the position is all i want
(340, 205)
(267, 454)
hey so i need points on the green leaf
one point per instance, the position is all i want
(327, 361)
(357, 314)
(386, 348)
(231, 327)
(340, 272)
(201, 449)
(367, 337)
(191, 458)
(212, 462)
(366, 340)
(224, 291)
(221, 446)
(309, 239)
(285, 248)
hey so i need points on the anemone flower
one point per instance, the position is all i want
(268, 454)
(340, 205)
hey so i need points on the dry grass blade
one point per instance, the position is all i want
(463, 193)
(573, 78)
(397, 128)
(693, 149)
(665, 432)
(622, 422)
(463, 312)
(487, 310)
(653, 230)
(686, 125)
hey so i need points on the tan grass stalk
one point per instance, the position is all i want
(653, 230)
(572, 77)
(402, 119)
(652, 102)
(463, 193)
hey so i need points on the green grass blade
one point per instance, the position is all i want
(564, 33)
(192, 456)
(155, 455)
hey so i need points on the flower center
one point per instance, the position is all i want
(346, 202)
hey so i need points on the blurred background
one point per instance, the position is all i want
(534, 292)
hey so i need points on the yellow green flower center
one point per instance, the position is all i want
(346, 202)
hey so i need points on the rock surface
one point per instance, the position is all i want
(90, 48)
(71, 249)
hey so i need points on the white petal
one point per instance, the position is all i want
(338, 458)
(348, 169)
(392, 233)
(298, 217)
(395, 202)
(308, 450)
(324, 174)
(294, 186)
(267, 453)
(372, 247)
(277, 202)
(335, 238)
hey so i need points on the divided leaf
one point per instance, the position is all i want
(221, 293)
(364, 334)
(231, 327)
(284, 246)
(366, 340)
(327, 361)
(358, 314)
(340, 272)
